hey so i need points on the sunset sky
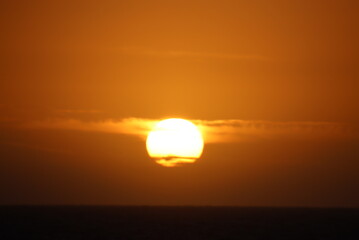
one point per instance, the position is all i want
(272, 85)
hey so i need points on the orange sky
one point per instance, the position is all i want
(277, 79)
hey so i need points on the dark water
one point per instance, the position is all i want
(177, 223)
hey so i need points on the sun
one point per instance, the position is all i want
(174, 142)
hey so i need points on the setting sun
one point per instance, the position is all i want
(174, 142)
(179, 119)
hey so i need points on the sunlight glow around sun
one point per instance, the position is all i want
(174, 142)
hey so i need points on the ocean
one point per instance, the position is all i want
(147, 222)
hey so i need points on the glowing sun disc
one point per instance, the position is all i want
(174, 142)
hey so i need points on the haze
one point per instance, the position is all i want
(274, 83)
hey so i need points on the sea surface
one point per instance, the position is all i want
(114, 222)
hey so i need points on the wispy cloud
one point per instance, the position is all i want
(233, 130)
(77, 111)
(214, 131)
(132, 126)
(191, 54)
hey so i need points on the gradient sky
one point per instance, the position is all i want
(274, 83)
